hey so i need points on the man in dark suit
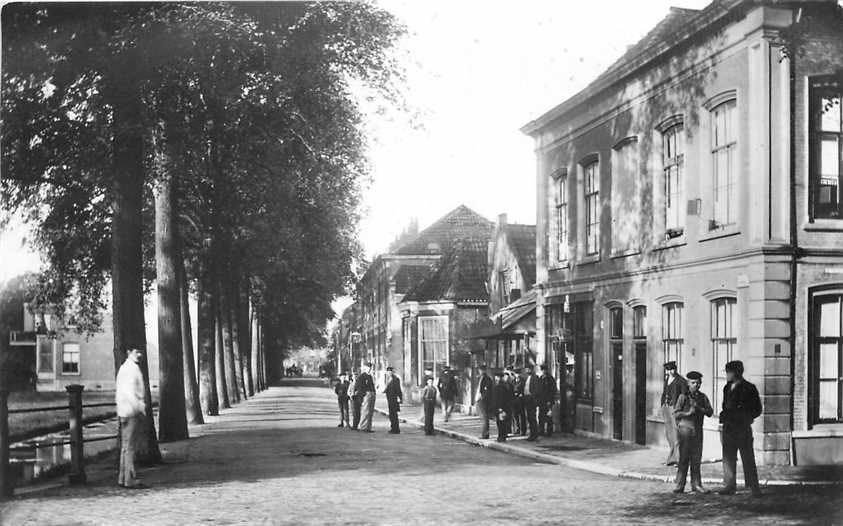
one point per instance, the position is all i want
(674, 385)
(341, 390)
(356, 401)
(502, 399)
(394, 398)
(741, 405)
(530, 389)
(545, 397)
(447, 391)
(483, 401)
(365, 388)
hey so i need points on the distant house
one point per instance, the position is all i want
(48, 354)
(510, 339)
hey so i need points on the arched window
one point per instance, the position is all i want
(639, 322)
(673, 168)
(723, 341)
(672, 333)
(724, 142)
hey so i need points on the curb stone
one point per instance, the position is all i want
(594, 467)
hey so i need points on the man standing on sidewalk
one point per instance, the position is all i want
(502, 405)
(483, 401)
(131, 409)
(674, 385)
(690, 410)
(447, 391)
(545, 397)
(429, 405)
(365, 388)
(341, 390)
(741, 405)
(394, 397)
(356, 401)
(519, 414)
(530, 390)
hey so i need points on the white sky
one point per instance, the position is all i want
(477, 72)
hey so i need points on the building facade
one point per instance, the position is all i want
(689, 209)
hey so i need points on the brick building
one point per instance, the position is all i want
(689, 210)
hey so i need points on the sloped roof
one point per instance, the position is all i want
(408, 276)
(460, 223)
(677, 26)
(459, 276)
(515, 311)
(522, 241)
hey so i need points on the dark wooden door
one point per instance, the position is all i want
(617, 390)
(640, 393)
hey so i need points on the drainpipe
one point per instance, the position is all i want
(794, 233)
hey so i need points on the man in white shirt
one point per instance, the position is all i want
(131, 408)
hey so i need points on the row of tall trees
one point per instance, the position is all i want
(207, 149)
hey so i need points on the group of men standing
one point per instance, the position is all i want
(684, 408)
(518, 398)
(359, 392)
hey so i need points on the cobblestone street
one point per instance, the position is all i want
(279, 459)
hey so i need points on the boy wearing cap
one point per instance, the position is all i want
(674, 385)
(689, 411)
(741, 405)
(341, 391)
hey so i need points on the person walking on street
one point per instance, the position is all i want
(394, 399)
(365, 387)
(545, 397)
(674, 385)
(131, 409)
(530, 389)
(447, 392)
(429, 405)
(741, 405)
(341, 390)
(484, 401)
(689, 412)
(502, 405)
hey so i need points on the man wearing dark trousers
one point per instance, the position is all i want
(393, 400)
(365, 388)
(690, 410)
(429, 405)
(502, 405)
(341, 390)
(483, 401)
(447, 392)
(545, 397)
(356, 401)
(519, 415)
(530, 390)
(741, 405)
(674, 385)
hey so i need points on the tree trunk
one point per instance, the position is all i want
(228, 347)
(206, 329)
(244, 330)
(236, 341)
(126, 249)
(254, 327)
(172, 421)
(219, 358)
(193, 410)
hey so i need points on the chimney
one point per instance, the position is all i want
(501, 220)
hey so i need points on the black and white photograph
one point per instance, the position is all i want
(401, 262)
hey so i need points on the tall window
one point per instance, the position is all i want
(723, 341)
(673, 166)
(724, 140)
(433, 343)
(826, 148)
(672, 338)
(626, 197)
(827, 359)
(45, 355)
(583, 351)
(616, 323)
(562, 216)
(639, 322)
(591, 180)
(70, 358)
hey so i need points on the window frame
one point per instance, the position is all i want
(729, 147)
(673, 338)
(729, 339)
(446, 320)
(591, 206)
(820, 87)
(675, 130)
(817, 339)
(64, 362)
(639, 325)
(561, 204)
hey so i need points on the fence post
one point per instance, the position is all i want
(77, 446)
(6, 486)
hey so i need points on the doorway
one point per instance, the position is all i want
(640, 393)
(617, 390)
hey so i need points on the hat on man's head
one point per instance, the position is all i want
(482, 367)
(735, 366)
(446, 367)
(670, 366)
(368, 364)
(694, 375)
(389, 368)
(528, 367)
(543, 367)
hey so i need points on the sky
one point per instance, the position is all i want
(477, 71)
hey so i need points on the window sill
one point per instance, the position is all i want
(626, 253)
(719, 233)
(678, 241)
(587, 260)
(820, 431)
(823, 225)
(560, 265)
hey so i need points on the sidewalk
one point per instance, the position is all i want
(609, 457)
